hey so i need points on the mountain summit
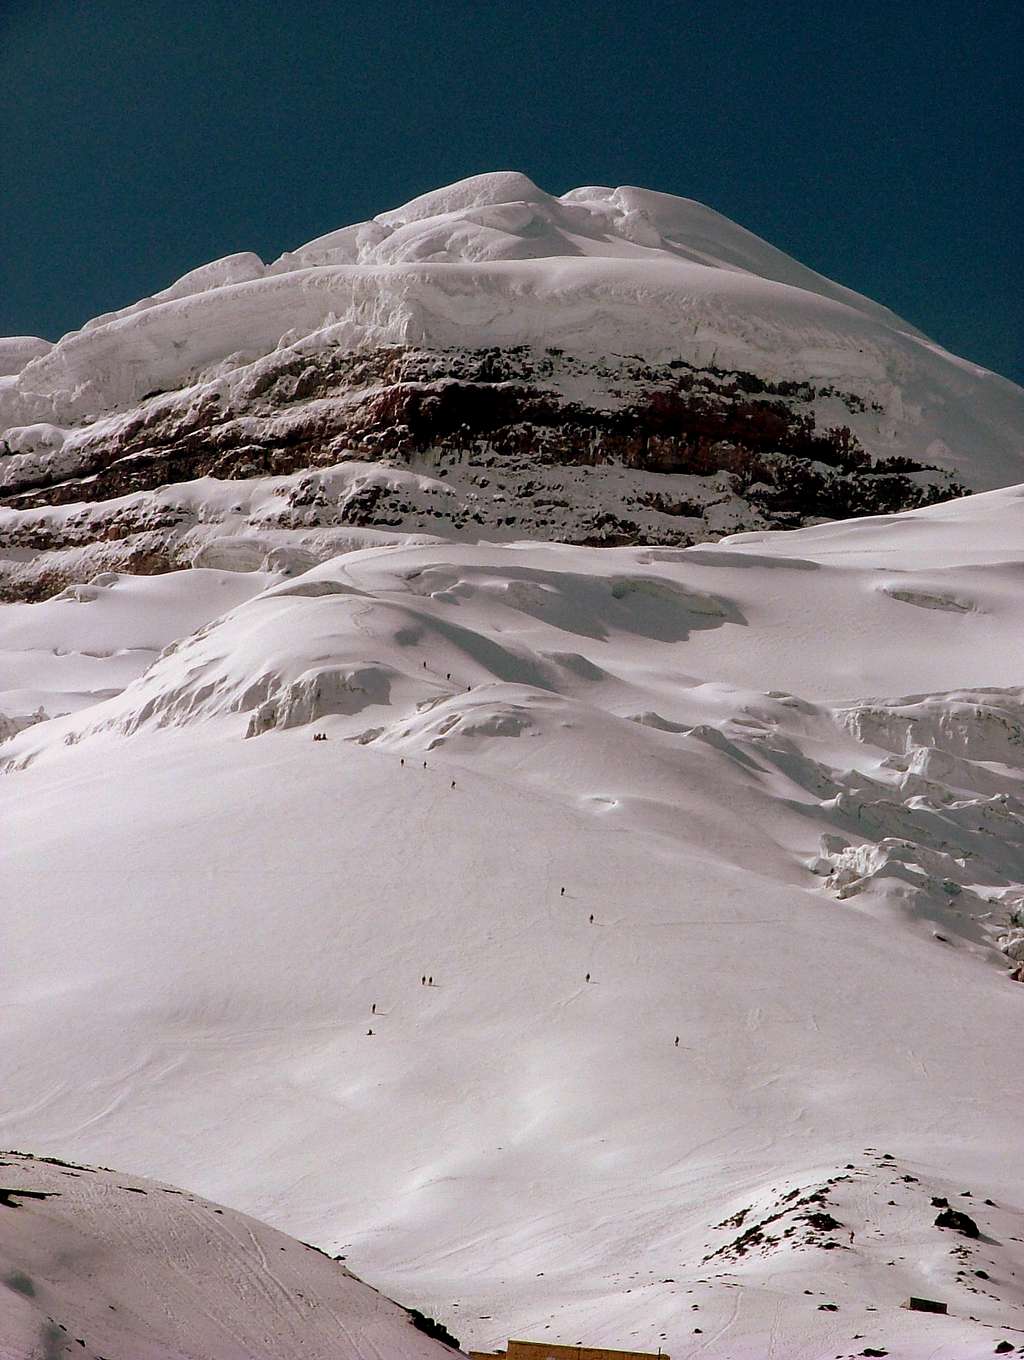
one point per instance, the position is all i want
(613, 366)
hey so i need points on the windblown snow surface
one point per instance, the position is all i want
(762, 797)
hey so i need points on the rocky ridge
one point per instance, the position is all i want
(485, 443)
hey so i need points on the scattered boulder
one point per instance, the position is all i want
(958, 1221)
(431, 1328)
(9, 1196)
(823, 1222)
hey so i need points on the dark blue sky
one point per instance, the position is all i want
(879, 143)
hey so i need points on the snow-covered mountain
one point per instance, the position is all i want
(97, 1264)
(610, 367)
(635, 956)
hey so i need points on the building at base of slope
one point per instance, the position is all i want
(548, 1350)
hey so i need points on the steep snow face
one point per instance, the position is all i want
(765, 797)
(494, 262)
(100, 1264)
(18, 350)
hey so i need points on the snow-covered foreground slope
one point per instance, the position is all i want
(105, 1266)
(763, 796)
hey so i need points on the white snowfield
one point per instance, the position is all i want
(763, 797)
(495, 261)
(105, 1266)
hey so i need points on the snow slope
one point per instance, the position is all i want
(97, 1264)
(493, 261)
(61, 657)
(782, 774)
